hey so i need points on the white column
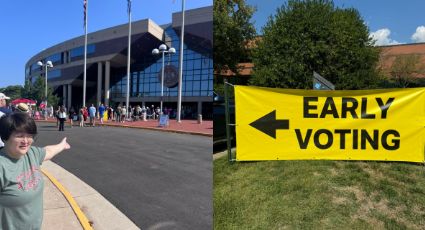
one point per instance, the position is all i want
(107, 77)
(99, 83)
(64, 88)
(199, 107)
(69, 96)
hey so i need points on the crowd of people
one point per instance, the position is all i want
(89, 116)
(103, 113)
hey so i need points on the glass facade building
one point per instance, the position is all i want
(146, 81)
(107, 65)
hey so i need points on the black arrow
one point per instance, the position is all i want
(268, 124)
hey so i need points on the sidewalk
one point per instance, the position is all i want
(100, 213)
(185, 126)
(59, 215)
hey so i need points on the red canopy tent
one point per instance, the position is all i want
(23, 100)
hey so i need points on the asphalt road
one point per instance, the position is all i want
(159, 180)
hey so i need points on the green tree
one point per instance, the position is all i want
(313, 35)
(13, 91)
(405, 68)
(36, 91)
(232, 29)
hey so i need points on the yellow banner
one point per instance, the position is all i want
(288, 124)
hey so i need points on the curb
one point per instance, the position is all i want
(222, 154)
(101, 214)
(80, 215)
(159, 129)
(148, 128)
(219, 155)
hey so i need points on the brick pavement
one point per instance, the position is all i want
(185, 126)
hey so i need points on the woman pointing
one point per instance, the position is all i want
(21, 181)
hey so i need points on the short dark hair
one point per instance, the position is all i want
(16, 122)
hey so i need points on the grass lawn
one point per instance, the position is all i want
(318, 195)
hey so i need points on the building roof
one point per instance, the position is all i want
(387, 57)
(245, 70)
(389, 54)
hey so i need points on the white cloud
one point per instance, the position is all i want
(382, 37)
(419, 35)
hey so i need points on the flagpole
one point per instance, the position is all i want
(86, 3)
(128, 58)
(179, 100)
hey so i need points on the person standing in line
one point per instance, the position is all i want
(81, 117)
(51, 111)
(30, 112)
(132, 113)
(153, 112)
(143, 113)
(112, 115)
(62, 118)
(101, 112)
(148, 112)
(3, 109)
(138, 112)
(123, 114)
(21, 181)
(57, 116)
(109, 112)
(92, 114)
(85, 113)
(158, 112)
(71, 116)
(118, 114)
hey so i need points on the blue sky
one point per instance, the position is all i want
(389, 21)
(30, 26)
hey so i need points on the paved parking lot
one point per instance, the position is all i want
(160, 180)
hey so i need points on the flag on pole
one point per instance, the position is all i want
(85, 12)
(128, 6)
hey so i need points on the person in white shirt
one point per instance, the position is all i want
(62, 118)
(3, 110)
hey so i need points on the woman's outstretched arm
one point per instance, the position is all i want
(52, 150)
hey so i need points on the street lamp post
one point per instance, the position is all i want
(179, 97)
(47, 65)
(163, 50)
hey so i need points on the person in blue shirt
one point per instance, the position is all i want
(101, 112)
(92, 114)
(3, 105)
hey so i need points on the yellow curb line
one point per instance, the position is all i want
(80, 215)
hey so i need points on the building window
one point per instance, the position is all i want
(79, 51)
(56, 59)
(146, 81)
(53, 74)
(35, 67)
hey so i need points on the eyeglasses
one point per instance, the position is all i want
(21, 137)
